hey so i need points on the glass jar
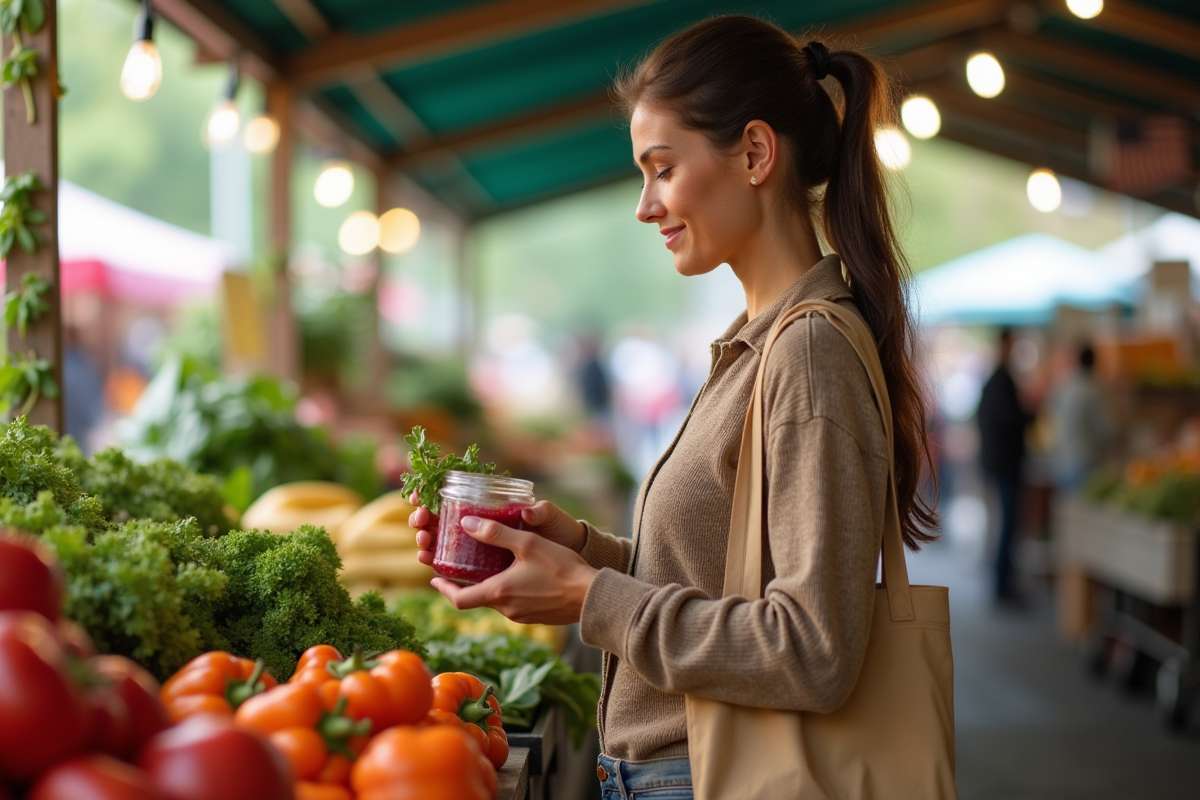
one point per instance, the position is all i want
(459, 557)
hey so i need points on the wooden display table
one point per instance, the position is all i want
(512, 781)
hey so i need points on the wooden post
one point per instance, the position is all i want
(377, 357)
(35, 147)
(284, 334)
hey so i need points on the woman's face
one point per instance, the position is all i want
(699, 198)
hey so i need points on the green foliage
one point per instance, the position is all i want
(29, 465)
(283, 597)
(1174, 496)
(26, 305)
(24, 379)
(31, 14)
(20, 66)
(335, 332)
(220, 425)
(442, 383)
(18, 213)
(162, 490)
(429, 468)
(131, 597)
(527, 675)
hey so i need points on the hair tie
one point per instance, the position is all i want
(818, 56)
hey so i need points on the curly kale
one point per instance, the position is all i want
(284, 596)
(162, 490)
(132, 597)
(29, 466)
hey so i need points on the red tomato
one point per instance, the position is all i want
(94, 777)
(207, 758)
(30, 577)
(138, 694)
(75, 639)
(45, 717)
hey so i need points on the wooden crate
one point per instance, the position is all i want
(1151, 559)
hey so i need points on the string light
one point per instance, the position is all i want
(893, 148)
(334, 185)
(399, 230)
(920, 117)
(1085, 9)
(261, 134)
(142, 73)
(224, 121)
(359, 234)
(985, 75)
(1044, 190)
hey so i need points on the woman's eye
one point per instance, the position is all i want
(663, 173)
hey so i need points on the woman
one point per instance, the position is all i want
(736, 139)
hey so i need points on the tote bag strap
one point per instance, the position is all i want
(744, 557)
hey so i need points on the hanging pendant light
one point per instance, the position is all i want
(142, 73)
(224, 122)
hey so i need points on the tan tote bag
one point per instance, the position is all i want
(893, 739)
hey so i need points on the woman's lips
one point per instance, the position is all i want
(672, 234)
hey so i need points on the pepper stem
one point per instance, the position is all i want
(357, 662)
(477, 711)
(337, 729)
(238, 693)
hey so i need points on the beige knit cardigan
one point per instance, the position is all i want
(655, 607)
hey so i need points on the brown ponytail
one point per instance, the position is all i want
(720, 74)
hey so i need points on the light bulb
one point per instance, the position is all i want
(1085, 9)
(892, 148)
(334, 185)
(985, 75)
(399, 230)
(1044, 191)
(920, 117)
(223, 123)
(359, 234)
(142, 73)
(261, 134)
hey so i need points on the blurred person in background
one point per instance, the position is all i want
(83, 390)
(1002, 424)
(1082, 425)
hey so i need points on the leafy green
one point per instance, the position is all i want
(222, 425)
(131, 597)
(24, 379)
(26, 305)
(284, 596)
(429, 468)
(528, 675)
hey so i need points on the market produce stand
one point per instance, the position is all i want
(1142, 570)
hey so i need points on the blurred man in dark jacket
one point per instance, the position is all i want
(1002, 423)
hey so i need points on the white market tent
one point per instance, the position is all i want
(1172, 237)
(1018, 282)
(122, 254)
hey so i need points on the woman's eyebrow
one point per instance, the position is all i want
(646, 154)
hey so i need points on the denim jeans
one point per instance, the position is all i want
(657, 779)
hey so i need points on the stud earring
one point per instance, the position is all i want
(754, 179)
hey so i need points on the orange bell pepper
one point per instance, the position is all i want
(394, 688)
(438, 762)
(296, 721)
(463, 699)
(307, 790)
(214, 683)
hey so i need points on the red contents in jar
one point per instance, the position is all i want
(458, 556)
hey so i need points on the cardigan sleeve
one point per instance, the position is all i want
(604, 550)
(801, 645)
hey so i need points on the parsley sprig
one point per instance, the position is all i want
(429, 468)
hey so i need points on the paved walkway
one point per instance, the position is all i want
(1031, 725)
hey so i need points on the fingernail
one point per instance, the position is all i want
(470, 524)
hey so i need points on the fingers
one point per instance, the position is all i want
(422, 518)
(493, 533)
(425, 539)
(463, 597)
(425, 557)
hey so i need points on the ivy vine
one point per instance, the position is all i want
(26, 305)
(25, 378)
(20, 66)
(18, 213)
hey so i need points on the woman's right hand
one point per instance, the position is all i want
(543, 518)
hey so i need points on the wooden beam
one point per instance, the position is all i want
(1043, 133)
(305, 16)
(1142, 23)
(542, 120)
(954, 131)
(1096, 68)
(35, 147)
(285, 333)
(219, 33)
(474, 26)
(929, 21)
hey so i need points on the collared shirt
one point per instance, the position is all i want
(655, 607)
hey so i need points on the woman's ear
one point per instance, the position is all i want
(760, 149)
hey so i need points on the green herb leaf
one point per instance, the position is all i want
(429, 468)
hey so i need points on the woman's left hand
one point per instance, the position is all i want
(545, 584)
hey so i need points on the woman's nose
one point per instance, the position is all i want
(649, 208)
